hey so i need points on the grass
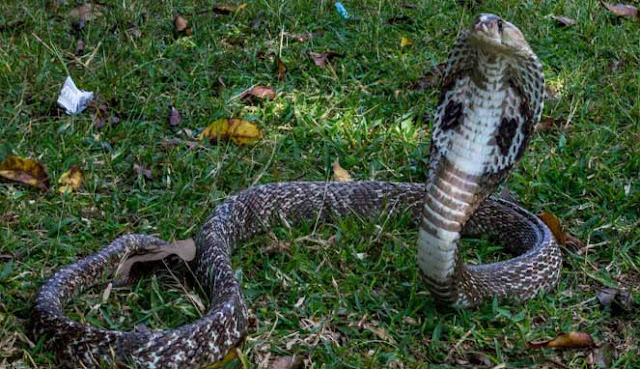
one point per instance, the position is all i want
(311, 299)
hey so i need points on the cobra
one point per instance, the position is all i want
(490, 102)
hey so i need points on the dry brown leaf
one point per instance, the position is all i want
(184, 249)
(70, 180)
(282, 69)
(340, 174)
(181, 25)
(238, 131)
(261, 92)
(322, 58)
(101, 115)
(79, 47)
(563, 21)
(286, 362)
(409, 320)
(228, 9)
(621, 9)
(380, 333)
(547, 124)
(431, 79)
(405, 41)
(616, 298)
(573, 242)
(143, 171)
(555, 226)
(85, 12)
(565, 340)
(174, 116)
(26, 171)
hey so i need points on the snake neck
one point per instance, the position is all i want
(457, 183)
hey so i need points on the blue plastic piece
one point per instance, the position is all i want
(342, 10)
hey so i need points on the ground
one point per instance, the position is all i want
(347, 294)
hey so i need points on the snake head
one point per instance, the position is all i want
(494, 34)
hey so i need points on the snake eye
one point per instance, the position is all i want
(500, 24)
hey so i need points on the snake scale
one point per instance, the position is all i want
(490, 102)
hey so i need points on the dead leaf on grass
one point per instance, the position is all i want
(281, 69)
(549, 123)
(261, 92)
(621, 9)
(380, 333)
(85, 12)
(181, 25)
(616, 298)
(563, 21)
(143, 171)
(184, 249)
(70, 180)
(236, 130)
(101, 115)
(566, 340)
(79, 47)
(555, 226)
(340, 174)
(431, 79)
(26, 171)
(321, 59)
(228, 9)
(174, 116)
(405, 41)
(286, 362)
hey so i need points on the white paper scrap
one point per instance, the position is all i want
(72, 99)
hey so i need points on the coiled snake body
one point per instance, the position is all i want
(491, 99)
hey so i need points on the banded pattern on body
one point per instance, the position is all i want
(491, 99)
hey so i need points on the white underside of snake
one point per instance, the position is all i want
(490, 102)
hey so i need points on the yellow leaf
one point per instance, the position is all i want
(566, 340)
(404, 42)
(26, 171)
(70, 180)
(340, 174)
(228, 9)
(238, 131)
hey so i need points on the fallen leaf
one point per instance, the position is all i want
(573, 242)
(184, 249)
(181, 25)
(565, 340)
(286, 362)
(411, 321)
(301, 37)
(85, 12)
(238, 131)
(431, 79)
(405, 41)
(282, 69)
(322, 58)
(549, 123)
(340, 174)
(563, 21)
(101, 115)
(79, 47)
(615, 298)
(380, 333)
(555, 226)
(261, 92)
(70, 180)
(621, 9)
(174, 116)
(134, 32)
(26, 171)
(143, 171)
(228, 9)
